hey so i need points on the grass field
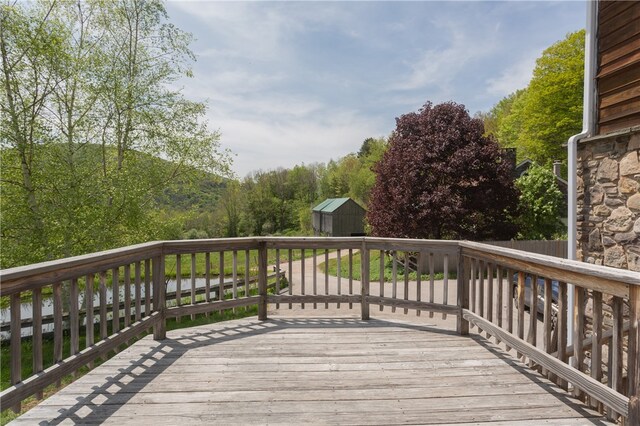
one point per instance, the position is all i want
(374, 268)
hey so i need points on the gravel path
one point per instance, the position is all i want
(344, 311)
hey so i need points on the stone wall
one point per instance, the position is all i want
(608, 205)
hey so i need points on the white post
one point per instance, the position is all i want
(588, 110)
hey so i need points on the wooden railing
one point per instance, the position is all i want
(488, 292)
(493, 274)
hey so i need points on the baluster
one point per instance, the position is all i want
(431, 282)
(207, 279)
(159, 297)
(263, 255)
(509, 303)
(302, 275)
(103, 306)
(74, 320)
(247, 278)
(57, 325)
(489, 292)
(315, 277)
(578, 333)
(351, 276)
(193, 283)
(419, 281)
(596, 343)
(445, 290)
(178, 284)
(16, 346)
(234, 274)
(547, 320)
(339, 268)
(365, 276)
(462, 278)
(394, 278)
(36, 333)
(221, 279)
(147, 287)
(547, 314)
(406, 279)
(326, 276)
(615, 353)
(115, 304)
(138, 290)
(533, 314)
(89, 319)
(521, 287)
(127, 295)
(472, 287)
(290, 258)
(277, 275)
(562, 328)
(381, 277)
(481, 269)
(499, 295)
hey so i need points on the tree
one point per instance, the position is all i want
(91, 128)
(539, 119)
(441, 178)
(502, 122)
(541, 204)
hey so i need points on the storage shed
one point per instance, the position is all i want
(338, 217)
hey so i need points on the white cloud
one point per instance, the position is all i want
(516, 76)
(439, 66)
(292, 82)
(265, 145)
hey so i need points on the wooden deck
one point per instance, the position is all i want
(312, 370)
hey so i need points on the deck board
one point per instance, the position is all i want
(321, 371)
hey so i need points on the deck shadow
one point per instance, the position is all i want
(539, 380)
(155, 357)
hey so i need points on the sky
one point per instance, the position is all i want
(303, 82)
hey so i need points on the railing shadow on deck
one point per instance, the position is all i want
(535, 378)
(484, 288)
(153, 361)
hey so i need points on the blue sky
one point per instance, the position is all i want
(302, 82)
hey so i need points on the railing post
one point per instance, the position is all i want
(463, 294)
(16, 345)
(262, 280)
(634, 355)
(159, 297)
(364, 280)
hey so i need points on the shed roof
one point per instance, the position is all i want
(330, 205)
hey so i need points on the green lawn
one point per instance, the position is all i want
(374, 268)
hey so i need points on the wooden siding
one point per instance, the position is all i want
(618, 78)
(344, 221)
(347, 219)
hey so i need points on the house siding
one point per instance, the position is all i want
(618, 77)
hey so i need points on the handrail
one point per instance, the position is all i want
(477, 298)
(586, 275)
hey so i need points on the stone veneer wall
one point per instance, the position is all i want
(608, 204)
